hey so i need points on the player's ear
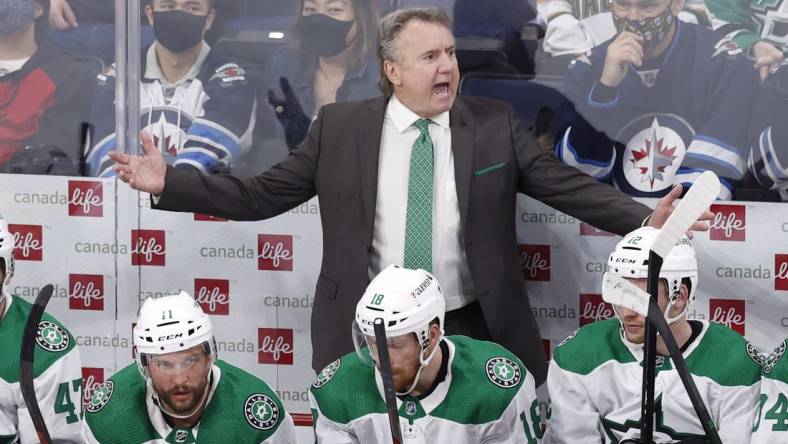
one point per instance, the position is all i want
(683, 296)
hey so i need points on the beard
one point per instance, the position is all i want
(182, 407)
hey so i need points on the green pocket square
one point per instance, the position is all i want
(489, 169)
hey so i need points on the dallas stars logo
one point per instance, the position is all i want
(653, 157)
(52, 337)
(101, 396)
(326, 374)
(261, 411)
(503, 372)
(631, 428)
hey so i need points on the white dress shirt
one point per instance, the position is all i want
(449, 262)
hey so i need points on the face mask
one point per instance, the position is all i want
(178, 30)
(15, 15)
(652, 29)
(323, 35)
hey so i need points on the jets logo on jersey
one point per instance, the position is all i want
(326, 374)
(52, 337)
(654, 151)
(101, 396)
(503, 372)
(770, 361)
(727, 46)
(261, 411)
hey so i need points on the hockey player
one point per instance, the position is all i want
(179, 392)
(57, 369)
(658, 104)
(449, 389)
(196, 104)
(771, 422)
(768, 160)
(595, 377)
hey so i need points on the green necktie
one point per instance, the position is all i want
(418, 223)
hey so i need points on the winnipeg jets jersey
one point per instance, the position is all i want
(666, 124)
(240, 409)
(768, 160)
(771, 423)
(488, 396)
(204, 121)
(595, 386)
(57, 372)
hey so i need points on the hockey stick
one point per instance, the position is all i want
(26, 359)
(617, 290)
(388, 380)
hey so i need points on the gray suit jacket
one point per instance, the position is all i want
(338, 162)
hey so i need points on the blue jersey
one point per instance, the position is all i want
(202, 121)
(665, 123)
(768, 160)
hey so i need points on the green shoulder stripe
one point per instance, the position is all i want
(52, 342)
(737, 368)
(243, 409)
(346, 390)
(591, 346)
(485, 378)
(117, 412)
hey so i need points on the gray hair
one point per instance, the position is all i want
(390, 27)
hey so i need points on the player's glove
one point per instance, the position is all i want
(290, 114)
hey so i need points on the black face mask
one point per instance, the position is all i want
(178, 30)
(323, 35)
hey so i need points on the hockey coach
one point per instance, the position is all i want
(418, 177)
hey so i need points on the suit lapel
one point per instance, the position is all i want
(369, 137)
(462, 147)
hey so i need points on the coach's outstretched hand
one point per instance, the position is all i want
(664, 209)
(145, 172)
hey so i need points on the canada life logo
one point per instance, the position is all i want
(86, 292)
(275, 346)
(728, 312)
(590, 230)
(206, 218)
(92, 378)
(781, 272)
(28, 242)
(729, 223)
(535, 262)
(593, 309)
(148, 247)
(213, 295)
(85, 198)
(275, 252)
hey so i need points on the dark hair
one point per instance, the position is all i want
(390, 27)
(367, 16)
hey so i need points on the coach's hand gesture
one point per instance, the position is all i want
(145, 172)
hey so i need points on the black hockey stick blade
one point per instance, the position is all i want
(704, 190)
(384, 364)
(619, 291)
(26, 361)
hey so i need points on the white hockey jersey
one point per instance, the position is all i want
(58, 378)
(241, 408)
(488, 396)
(595, 387)
(771, 423)
(204, 121)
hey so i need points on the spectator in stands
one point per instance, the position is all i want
(659, 103)
(760, 28)
(85, 27)
(768, 160)
(44, 95)
(197, 105)
(332, 60)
